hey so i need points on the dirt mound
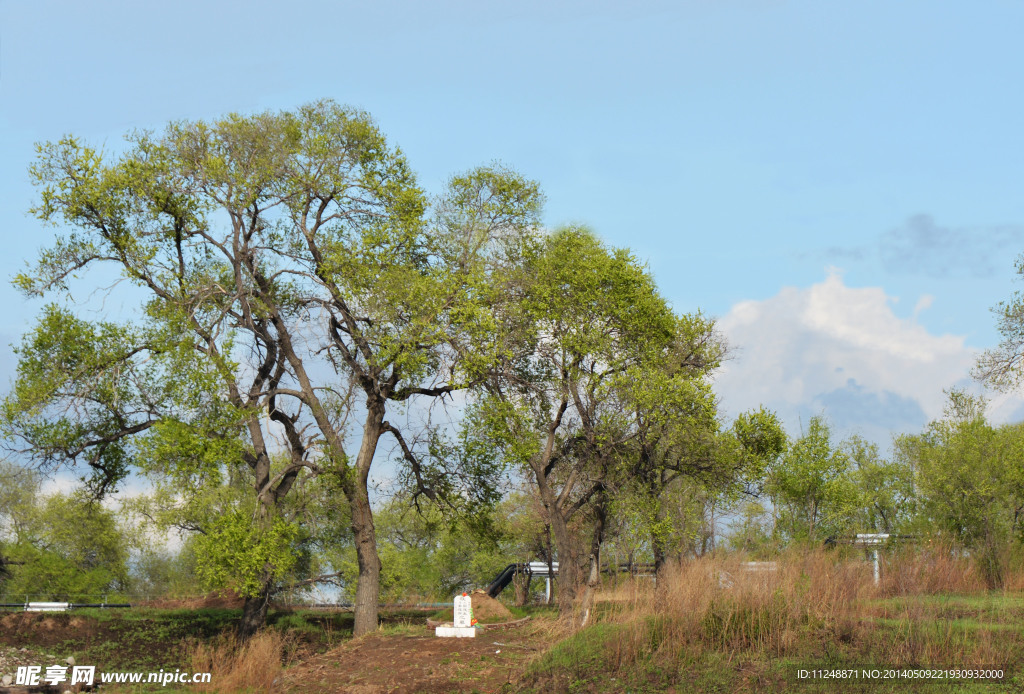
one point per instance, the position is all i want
(487, 609)
(34, 620)
(44, 629)
(12, 620)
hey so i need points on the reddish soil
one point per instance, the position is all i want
(406, 658)
(418, 661)
(44, 630)
(486, 608)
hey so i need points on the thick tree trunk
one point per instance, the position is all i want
(254, 611)
(368, 586)
(570, 577)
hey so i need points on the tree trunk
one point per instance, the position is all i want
(551, 562)
(594, 575)
(254, 612)
(569, 574)
(590, 591)
(521, 585)
(368, 587)
(658, 549)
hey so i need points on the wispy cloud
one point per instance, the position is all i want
(922, 246)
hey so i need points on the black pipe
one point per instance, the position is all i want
(505, 577)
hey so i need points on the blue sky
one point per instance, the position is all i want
(839, 183)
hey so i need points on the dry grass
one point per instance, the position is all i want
(721, 605)
(810, 602)
(930, 570)
(252, 666)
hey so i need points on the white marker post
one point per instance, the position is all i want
(873, 541)
(463, 619)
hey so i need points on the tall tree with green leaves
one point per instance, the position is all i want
(293, 279)
(66, 547)
(689, 466)
(969, 480)
(886, 488)
(811, 488)
(675, 419)
(589, 315)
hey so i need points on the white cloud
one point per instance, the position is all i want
(843, 351)
(923, 304)
(61, 483)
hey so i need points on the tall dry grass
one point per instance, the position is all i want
(811, 603)
(936, 568)
(722, 605)
(252, 666)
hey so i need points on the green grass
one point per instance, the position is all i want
(940, 626)
(578, 663)
(533, 611)
(997, 598)
(639, 656)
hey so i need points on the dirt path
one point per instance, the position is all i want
(418, 661)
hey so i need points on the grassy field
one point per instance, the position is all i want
(150, 639)
(710, 626)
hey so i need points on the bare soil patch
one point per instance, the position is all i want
(35, 629)
(418, 661)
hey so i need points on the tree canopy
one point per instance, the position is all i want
(286, 263)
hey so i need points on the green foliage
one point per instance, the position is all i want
(427, 555)
(762, 438)
(1001, 367)
(157, 572)
(236, 552)
(885, 489)
(969, 478)
(226, 544)
(589, 314)
(19, 490)
(692, 473)
(54, 359)
(752, 532)
(68, 545)
(811, 488)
